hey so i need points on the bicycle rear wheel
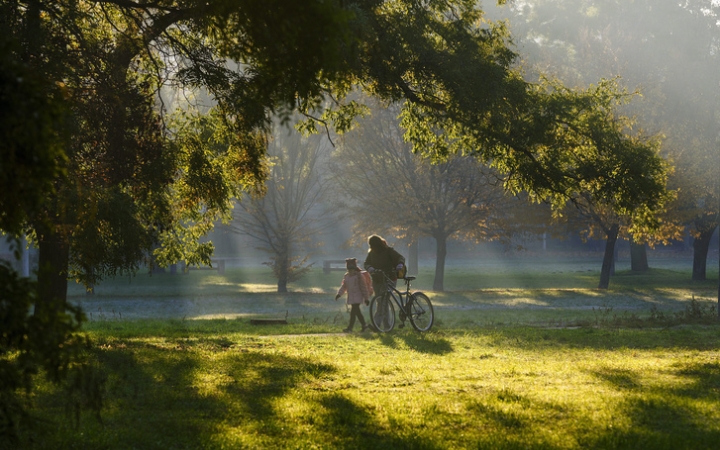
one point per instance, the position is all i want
(422, 315)
(382, 312)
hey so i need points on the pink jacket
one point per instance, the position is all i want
(354, 284)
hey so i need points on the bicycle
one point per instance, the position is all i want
(415, 306)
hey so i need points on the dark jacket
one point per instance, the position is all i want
(385, 259)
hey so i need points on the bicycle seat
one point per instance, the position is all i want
(410, 278)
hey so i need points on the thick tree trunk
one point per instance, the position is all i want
(52, 272)
(441, 254)
(281, 266)
(608, 259)
(638, 257)
(282, 274)
(413, 256)
(701, 245)
(282, 285)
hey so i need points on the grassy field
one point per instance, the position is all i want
(518, 359)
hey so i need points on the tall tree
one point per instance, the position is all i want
(390, 190)
(289, 216)
(669, 52)
(32, 110)
(455, 68)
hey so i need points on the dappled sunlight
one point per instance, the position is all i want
(257, 288)
(311, 290)
(220, 316)
(216, 382)
(525, 302)
(682, 295)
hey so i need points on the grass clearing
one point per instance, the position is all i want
(524, 366)
(211, 384)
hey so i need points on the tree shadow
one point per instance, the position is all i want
(353, 426)
(156, 391)
(156, 396)
(258, 379)
(705, 377)
(601, 338)
(662, 417)
(619, 378)
(153, 396)
(431, 344)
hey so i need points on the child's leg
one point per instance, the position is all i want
(353, 313)
(360, 315)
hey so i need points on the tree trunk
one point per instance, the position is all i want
(282, 285)
(441, 254)
(281, 265)
(413, 256)
(701, 245)
(282, 274)
(608, 259)
(52, 272)
(638, 257)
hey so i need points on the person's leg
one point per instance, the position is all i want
(360, 317)
(379, 288)
(353, 312)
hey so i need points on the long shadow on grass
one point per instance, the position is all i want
(150, 394)
(353, 426)
(260, 378)
(660, 417)
(529, 338)
(170, 396)
(423, 343)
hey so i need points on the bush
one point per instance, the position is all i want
(32, 344)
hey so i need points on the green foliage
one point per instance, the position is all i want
(31, 137)
(215, 161)
(668, 53)
(31, 345)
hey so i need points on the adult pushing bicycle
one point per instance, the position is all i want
(415, 306)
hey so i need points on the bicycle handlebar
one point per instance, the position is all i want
(389, 277)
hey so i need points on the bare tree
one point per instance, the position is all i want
(286, 218)
(392, 191)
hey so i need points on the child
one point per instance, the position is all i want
(358, 291)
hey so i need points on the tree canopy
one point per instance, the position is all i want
(124, 178)
(666, 51)
(455, 70)
(387, 189)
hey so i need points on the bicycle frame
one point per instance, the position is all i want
(401, 299)
(415, 306)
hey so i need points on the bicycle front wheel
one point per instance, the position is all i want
(422, 315)
(382, 312)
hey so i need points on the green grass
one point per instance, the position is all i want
(215, 385)
(524, 362)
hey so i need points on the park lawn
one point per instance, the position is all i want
(496, 296)
(174, 384)
(570, 274)
(516, 360)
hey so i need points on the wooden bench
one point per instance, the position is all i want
(330, 265)
(218, 264)
(264, 321)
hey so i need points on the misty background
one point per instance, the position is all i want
(667, 52)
